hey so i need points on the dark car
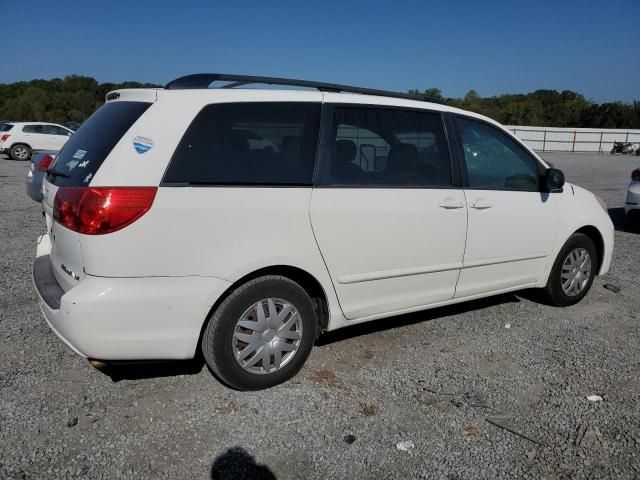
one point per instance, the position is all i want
(40, 161)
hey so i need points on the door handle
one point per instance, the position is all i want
(451, 204)
(481, 205)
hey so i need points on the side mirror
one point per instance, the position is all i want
(553, 180)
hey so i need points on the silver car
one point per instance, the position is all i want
(632, 203)
(40, 161)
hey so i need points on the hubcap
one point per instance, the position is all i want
(21, 153)
(267, 335)
(576, 271)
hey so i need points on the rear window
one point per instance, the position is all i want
(85, 151)
(5, 127)
(253, 143)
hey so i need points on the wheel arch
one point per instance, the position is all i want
(8, 150)
(303, 278)
(598, 240)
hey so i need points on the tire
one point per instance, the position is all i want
(220, 342)
(553, 293)
(20, 152)
(613, 150)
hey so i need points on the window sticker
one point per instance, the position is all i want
(88, 177)
(142, 144)
(84, 164)
(79, 155)
(72, 164)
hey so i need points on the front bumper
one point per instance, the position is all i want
(126, 318)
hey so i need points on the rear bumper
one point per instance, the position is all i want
(126, 318)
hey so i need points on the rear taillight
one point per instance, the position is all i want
(635, 175)
(45, 163)
(100, 210)
(4, 138)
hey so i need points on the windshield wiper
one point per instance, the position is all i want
(58, 173)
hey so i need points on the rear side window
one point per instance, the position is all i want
(6, 127)
(33, 129)
(384, 147)
(254, 143)
(85, 151)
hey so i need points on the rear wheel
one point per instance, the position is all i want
(20, 152)
(261, 334)
(573, 271)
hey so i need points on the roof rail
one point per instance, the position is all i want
(203, 80)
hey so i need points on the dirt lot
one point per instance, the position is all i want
(493, 388)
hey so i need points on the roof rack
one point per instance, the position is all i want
(203, 80)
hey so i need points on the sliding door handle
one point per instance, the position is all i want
(481, 205)
(451, 204)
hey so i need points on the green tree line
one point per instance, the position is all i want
(76, 97)
(545, 108)
(73, 98)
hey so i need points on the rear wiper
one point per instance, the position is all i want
(58, 173)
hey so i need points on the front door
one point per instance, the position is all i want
(389, 222)
(512, 224)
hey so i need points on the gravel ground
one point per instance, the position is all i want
(490, 389)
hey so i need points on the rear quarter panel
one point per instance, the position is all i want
(222, 232)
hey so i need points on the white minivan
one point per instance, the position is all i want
(244, 222)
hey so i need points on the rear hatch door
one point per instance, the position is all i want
(74, 167)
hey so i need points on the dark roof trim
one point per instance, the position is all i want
(203, 80)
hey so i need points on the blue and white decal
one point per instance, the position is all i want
(142, 144)
(79, 155)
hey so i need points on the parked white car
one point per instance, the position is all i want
(632, 203)
(20, 139)
(170, 232)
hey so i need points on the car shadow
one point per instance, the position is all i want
(389, 323)
(617, 217)
(237, 464)
(138, 370)
(620, 222)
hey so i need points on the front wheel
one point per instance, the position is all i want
(573, 272)
(261, 334)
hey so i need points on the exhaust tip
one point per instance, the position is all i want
(97, 364)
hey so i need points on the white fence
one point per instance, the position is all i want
(551, 139)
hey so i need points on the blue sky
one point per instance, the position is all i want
(494, 47)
